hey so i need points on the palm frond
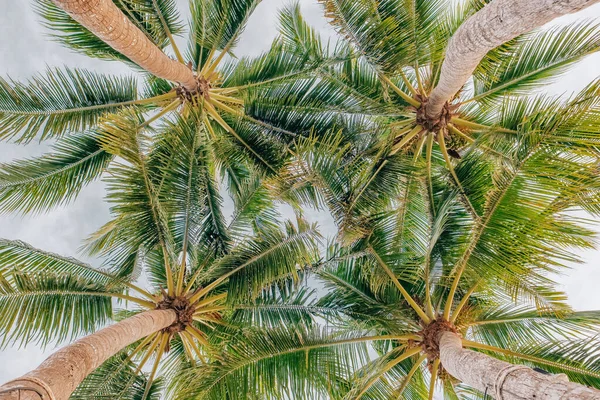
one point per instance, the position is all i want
(271, 256)
(25, 258)
(283, 362)
(45, 307)
(140, 220)
(60, 101)
(391, 34)
(538, 60)
(54, 179)
(216, 26)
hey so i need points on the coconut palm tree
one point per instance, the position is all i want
(400, 49)
(167, 222)
(237, 100)
(422, 277)
(494, 25)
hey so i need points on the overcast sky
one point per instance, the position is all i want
(24, 50)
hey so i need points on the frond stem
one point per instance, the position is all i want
(464, 301)
(403, 291)
(474, 125)
(399, 92)
(159, 352)
(469, 139)
(173, 105)
(409, 376)
(428, 167)
(168, 32)
(155, 343)
(409, 136)
(409, 85)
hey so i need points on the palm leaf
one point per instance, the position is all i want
(281, 362)
(45, 307)
(269, 257)
(538, 60)
(216, 25)
(60, 101)
(54, 179)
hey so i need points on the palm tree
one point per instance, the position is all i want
(168, 222)
(401, 49)
(427, 268)
(494, 25)
(237, 100)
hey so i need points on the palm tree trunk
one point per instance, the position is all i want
(106, 21)
(58, 376)
(503, 380)
(495, 24)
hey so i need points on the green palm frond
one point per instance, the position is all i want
(187, 189)
(60, 101)
(54, 179)
(298, 35)
(253, 144)
(216, 26)
(277, 306)
(523, 202)
(17, 255)
(508, 326)
(272, 255)
(285, 60)
(409, 29)
(45, 307)
(140, 220)
(538, 59)
(158, 19)
(381, 378)
(278, 363)
(302, 108)
(254, 208)
(351, 292)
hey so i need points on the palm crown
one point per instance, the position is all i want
(237, 102)
(196, 263)
(398, 48)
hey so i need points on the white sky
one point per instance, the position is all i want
(24, 50)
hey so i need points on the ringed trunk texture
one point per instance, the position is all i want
(495, 24)
(505, 381)
(108, 22)
(58, 376)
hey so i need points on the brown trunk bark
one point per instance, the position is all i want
(495, 24)
(506, 381)
(106, 21)
(58, 376)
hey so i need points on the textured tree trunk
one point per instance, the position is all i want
(106, 21)
(58, 376)
(505, 381)
(495, 24)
